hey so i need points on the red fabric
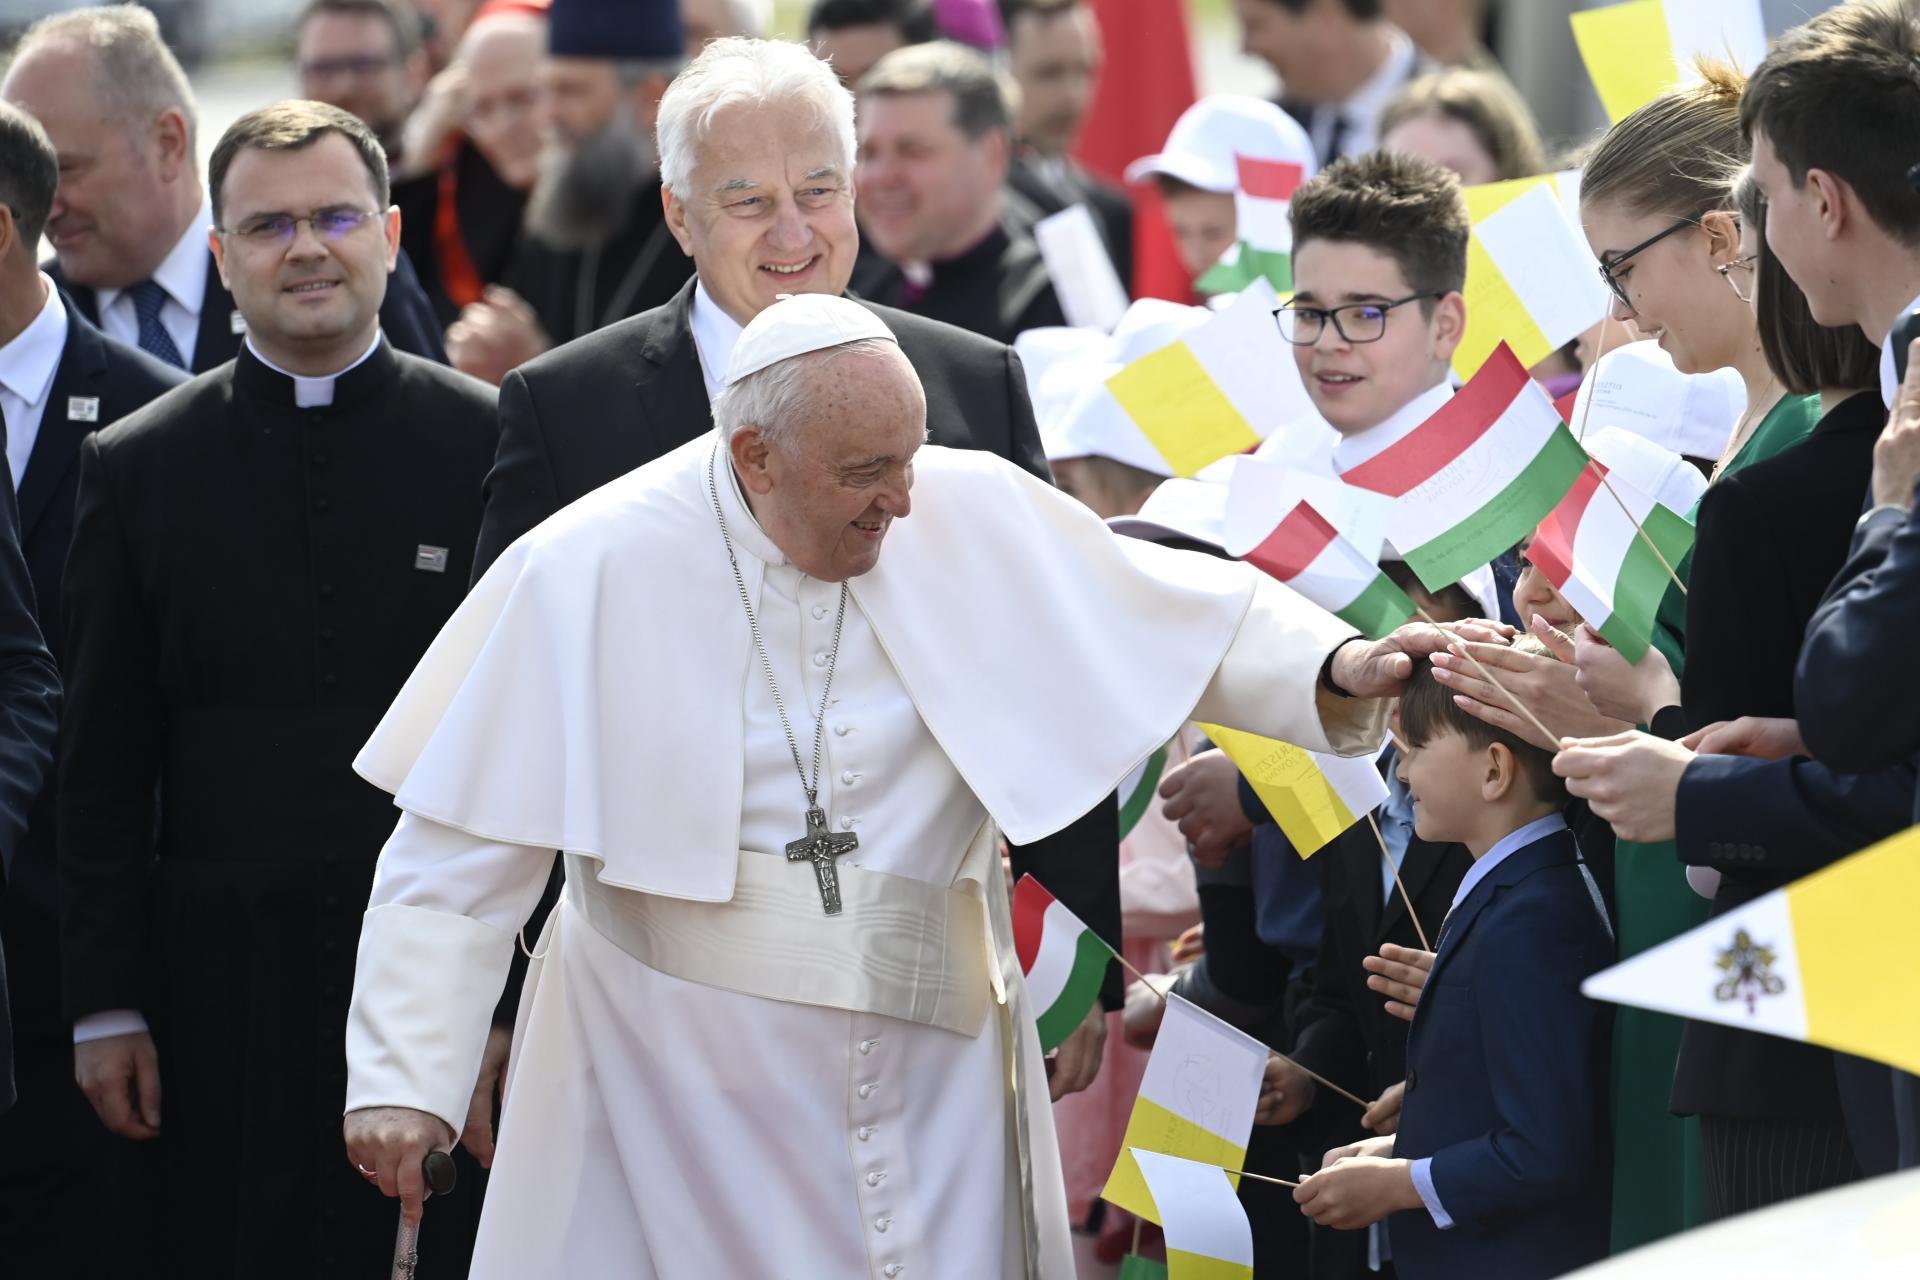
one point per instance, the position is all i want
(1148, 81)
(458, 276)
(494, 8)
(1269, 179)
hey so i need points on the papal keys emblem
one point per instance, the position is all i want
(1748, 970)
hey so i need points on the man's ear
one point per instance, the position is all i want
(997, 146)
(751, 455)
(1502, 771)
(219, 249)
(1833, 200)
(170, 138)
(676, 217)
(1449, 326)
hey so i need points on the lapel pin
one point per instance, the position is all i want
(430, 559)
(83, 408)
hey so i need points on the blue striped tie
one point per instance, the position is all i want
(148, 298)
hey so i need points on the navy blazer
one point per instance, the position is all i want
(1507, 1079)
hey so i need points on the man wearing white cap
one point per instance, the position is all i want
(776, 1026)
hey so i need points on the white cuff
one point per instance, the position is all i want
(110, 1022)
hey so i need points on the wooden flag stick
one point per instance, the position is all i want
(1399, 883)
(1493, 680)
(1362, 1103)
(1601, 342)
(1137, 1224)
(1637, 526)
(1258, 1177)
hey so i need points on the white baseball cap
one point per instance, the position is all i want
(1209, 135)
(798, 323)
(1180, 508)
(1661, 474)
(1636, 388)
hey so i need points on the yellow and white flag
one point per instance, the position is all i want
(1532, 279)
(1208, 1236)
(1313, 797)
(1822, 960)
(1638, 50)
(1196, 1101)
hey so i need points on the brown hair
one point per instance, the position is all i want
(1486, 104)
(292, 126)
(400, 18)
(1407, 208)
(1672, 155)
(1842, 93)
(1807, 357)
(1428, 711)
(981, 97)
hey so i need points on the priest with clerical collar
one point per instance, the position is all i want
(259, 558)
(762, 694)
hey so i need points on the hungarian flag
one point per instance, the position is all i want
(1311, 796)
(1262, 203)
(1607, 548)
(1063, 960)
(1138, 790)
(1474, 480)
(1307, 553)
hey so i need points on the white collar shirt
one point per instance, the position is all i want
(27, 368)
(183, 274)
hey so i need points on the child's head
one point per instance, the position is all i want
(1471, 122)
(1469, 781)
(1382, 238)
(1106, 486)
(1205, 223)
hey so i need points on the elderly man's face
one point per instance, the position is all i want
(769, 210)
(927, 191)
(502, 61)
(829, 491)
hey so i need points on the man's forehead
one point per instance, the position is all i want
(323, 174)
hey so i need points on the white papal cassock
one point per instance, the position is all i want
(599, 695)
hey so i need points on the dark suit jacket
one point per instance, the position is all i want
(1050, 191)
(1507, 1080)
(406, 317)
(594, 409)
(118, 379)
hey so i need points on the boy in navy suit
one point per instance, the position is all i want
(1500, 1165)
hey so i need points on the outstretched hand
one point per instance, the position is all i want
(1381, 668)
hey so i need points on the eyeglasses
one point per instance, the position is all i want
(1613, 264)
(1356, 323)
(355, 66)
(1743, 263)
(278, 228)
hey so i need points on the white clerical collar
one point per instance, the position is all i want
(1511, 843)
(714, 333)
(1356, 449)
(314, 393)
(1361, 111)
(29, 362)
(1889, 380)
(183, 272)
(742, 527)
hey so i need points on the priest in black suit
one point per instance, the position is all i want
(259, 559)
(60, 380)
(768, 211)
(130, 222)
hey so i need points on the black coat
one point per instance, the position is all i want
(55, 1171)
(406, 317)
(593, 410)
(250, 584)
(998, 289)
(1050, 190)
(487, 212)
(1771, 537)
(576, 292)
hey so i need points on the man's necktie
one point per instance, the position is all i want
(148, 298)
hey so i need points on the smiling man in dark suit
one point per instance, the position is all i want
(60, 379)
(130, 220)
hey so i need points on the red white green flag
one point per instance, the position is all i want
(1307, 553)
(1590, 548)
(1063, 960)
(1473, 480)
(1138, 790)
(1262, 204)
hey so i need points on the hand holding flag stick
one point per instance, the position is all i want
(1399, 884)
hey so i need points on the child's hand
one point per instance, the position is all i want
(1285, 1093)
(1203, 797)
(1625, 692)
(1399, 974)
(1383, 1117)
(1381, 1146)
(1357, 1191)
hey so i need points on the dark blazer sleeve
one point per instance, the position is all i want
(110, 755)
(406, 314)
(1547, 1085)
(1023, 430)
(1857, 686)
(29, 687)
(1080, 866)
(520, 491)
(1792, 816)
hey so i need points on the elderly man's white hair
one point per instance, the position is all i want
(770, 399)
(762, 73)
(135, 74)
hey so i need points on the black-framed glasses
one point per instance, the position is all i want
(1614, 263)
(1745, 262)
(1356, 322)
(279, 228)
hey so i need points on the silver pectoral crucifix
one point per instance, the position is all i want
(820, 847)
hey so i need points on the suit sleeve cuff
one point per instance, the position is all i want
(1422, 1171)
(109, 1022)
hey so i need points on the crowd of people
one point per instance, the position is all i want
(376, 458)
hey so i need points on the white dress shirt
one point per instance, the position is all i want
(183, 274)
(1889, 381)
(714, 333)
(27, 366)
(1366, 445)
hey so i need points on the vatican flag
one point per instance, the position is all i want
(1822, 960)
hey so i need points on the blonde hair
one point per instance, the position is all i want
(1673, 155)
(1486, 104)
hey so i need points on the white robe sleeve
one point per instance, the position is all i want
(1269, 681)
(434, 951)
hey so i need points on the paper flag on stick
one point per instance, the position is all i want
(1063, 961)
(1638, 50)
(1262, 200)
(1208, 1235)
(1591, 548)
(1532, 279)
(1313, 797)
(1308, 554)
(1196, 1100)
(1820, 960)
(1083, 276)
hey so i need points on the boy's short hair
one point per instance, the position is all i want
(1407, 208)
(1841, 93)
(1428, 711)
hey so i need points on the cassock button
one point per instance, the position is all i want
(820, 659)
(841, 730)
(848, 824)
(864, 1132)
(1413, 1078)
(866, 1046)
(866, 1090)
(319, 504)
(328, 635)
(877, 1177)
(848, 776)
(326, 591)
(819, 612)
(330, 679)
(881, 1224)
(892, 1269)
(319, 459)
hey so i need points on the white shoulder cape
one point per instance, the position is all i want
(589, 693)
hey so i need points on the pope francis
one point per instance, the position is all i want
(775, 1027)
